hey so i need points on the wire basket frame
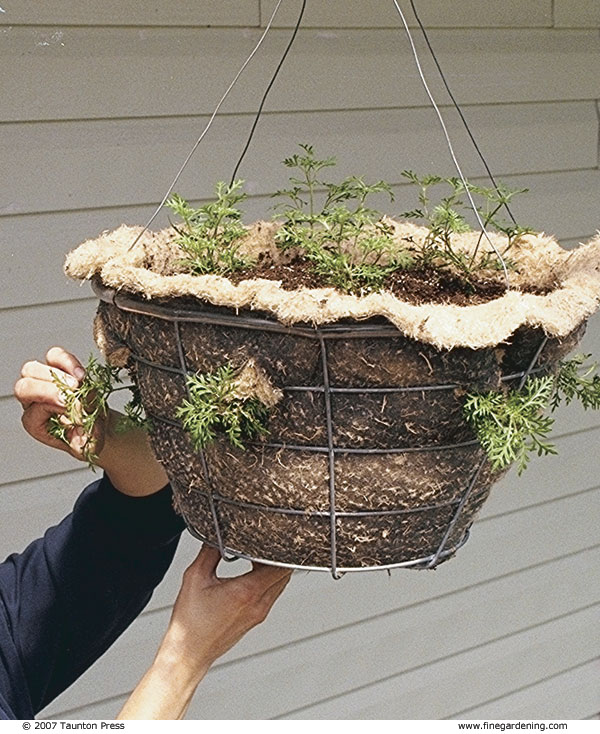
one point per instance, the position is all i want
(216, 501)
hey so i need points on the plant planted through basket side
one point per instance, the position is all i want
(510, 424)
(513, 424)
(87, 404)
(215, 406)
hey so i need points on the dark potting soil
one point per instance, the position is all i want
(273, 502)
(419, 285)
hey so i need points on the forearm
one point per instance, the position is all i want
(128, 460)
(69, 595)
(165, 691)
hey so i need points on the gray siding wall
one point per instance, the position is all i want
(100, 102)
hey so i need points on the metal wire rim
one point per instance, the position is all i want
(205, 313)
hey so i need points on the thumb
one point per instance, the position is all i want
(207, 560)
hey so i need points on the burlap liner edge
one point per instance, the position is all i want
(446, 326)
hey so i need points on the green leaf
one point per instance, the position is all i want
(447, 218)
(333, 228)
(511, 425)
(577, 380)
(213, 407)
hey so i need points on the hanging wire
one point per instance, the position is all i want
(208, 125)
(266, 94)
(457, 106)
(448, 140)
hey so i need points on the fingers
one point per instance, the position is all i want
(260, 580)
(39, 371)
(268, 575)
(274, 591)
(264, 604)
(37, 383)
(29, 390)
(59, 357)
(261, 587)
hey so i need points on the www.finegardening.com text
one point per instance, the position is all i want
(510, 725)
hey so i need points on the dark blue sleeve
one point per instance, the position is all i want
(70, 594)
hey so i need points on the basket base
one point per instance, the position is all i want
(229, 555)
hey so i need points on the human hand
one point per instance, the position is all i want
(126, 456)
(210, 615)
(41, 399)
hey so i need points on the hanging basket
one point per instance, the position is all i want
(369, 462)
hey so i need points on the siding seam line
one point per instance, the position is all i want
(438, 660)
(266, 196)
(398, 610)
(299, 111)
(459, 714)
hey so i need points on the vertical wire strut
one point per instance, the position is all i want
(457, 106)
(448, 140)
(208, 125)
(473, 481)
(209, 488)
(331, 455)
(266, 94)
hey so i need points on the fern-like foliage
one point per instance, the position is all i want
(86, 404)
(211, 235)
(347, 242)
(213, 407)
(576, 379)
(511, 425)
(446, 219)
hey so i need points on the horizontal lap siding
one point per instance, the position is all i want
(487, 670)
(332, 14)
(576, 14)
(574, 693)
(166, 71)
(133, 13)
(452, 13)
(338, 661)
(99, 107)
(117, 159)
